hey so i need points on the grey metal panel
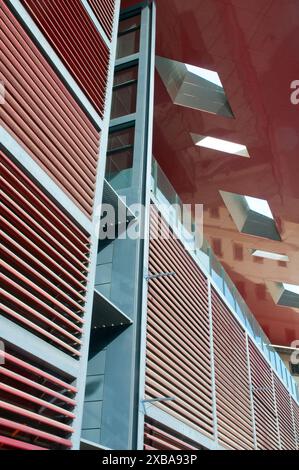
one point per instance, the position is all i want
(104, 289)
(96, 363)
(92, 415)
(94, 388)
(103, 273)
(105, 255)
(89, 438)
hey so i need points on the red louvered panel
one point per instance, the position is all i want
(44, 118)
(263, 401)
(295, 408)
(76, 40)
(45, 260)
(104, 11)
(285, 416)
(178, 341)
(159, 437)
(36, 405)
(234, 415)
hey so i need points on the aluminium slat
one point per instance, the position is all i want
(35, 416)
(199, 347)
(167, 434)
(42, 254)
(43, 243)
(23, 428)
(8, 441)
(41, 200)
(39, 330)
(28, 397)
(37, 57)
(170, 348)
(38, 301)
(30, 383)
(42, 279)
(178, 388)
(37, 371)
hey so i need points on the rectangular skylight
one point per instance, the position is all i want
(270, 255)
(206, 74)
(291, 288)
(259, 205)
(222, 146)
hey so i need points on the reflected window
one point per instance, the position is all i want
(120, 158)
(128, 37)
(124, 92)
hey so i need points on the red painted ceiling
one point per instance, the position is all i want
(254, 47)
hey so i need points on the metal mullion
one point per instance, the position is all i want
(214, 397)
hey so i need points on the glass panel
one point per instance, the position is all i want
(128, 24)
(129, 37)
(125, 75)
(124, 100)
(120, 158)
(120, 139)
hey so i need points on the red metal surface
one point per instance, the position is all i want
(11, 425)
(178, 362)
(285, 417)
(234, 417)
(12, 443)
(45, 262)
(266, 423)
(44, 118)
(295, 409)
(159, 437)
(36, 405)
(104, 11)
(178, 350)
(77, 41)
(252, 45)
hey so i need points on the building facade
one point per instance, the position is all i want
(141, 306)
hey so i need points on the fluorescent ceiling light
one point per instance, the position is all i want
(259, 205)
(223, 146)
(270, 255)
(206, 74)
(291, 288)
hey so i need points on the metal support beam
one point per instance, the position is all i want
(214, 396)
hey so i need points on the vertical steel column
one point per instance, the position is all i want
(294, 423)
(144, 293)
(251, 392)
(119, 422)
(81, 380)
(214, 398)
(276, 409)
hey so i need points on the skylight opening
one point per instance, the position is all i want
(291, 288)
(260, 206)
(270, 255)
(222, 146)
(206, 74)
